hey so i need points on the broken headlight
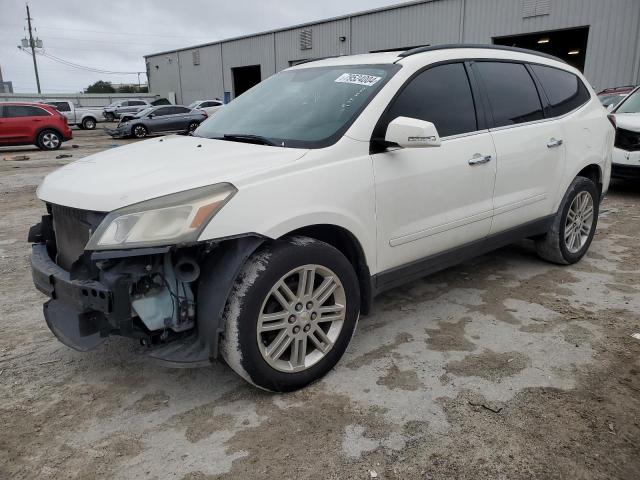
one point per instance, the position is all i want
(172, 219)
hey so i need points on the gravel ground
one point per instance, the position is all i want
(503, 367)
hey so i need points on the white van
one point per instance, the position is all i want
(263, 237)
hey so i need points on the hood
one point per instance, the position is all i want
(152, 168)
(628, 121)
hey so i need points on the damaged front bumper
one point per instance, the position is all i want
(131, 293)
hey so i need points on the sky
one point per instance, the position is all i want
(114, 35)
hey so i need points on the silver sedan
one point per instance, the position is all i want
(161, 119)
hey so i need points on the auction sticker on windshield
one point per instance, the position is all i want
(358, 79)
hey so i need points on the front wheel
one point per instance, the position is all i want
(110, 117)
(291, 314)
(574, 225)
(139, 131)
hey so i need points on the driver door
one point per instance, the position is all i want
(433, 199)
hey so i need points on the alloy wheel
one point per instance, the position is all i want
(139, 131)
(301, 318)
(50, 141)
(579, 222)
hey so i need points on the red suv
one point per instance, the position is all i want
(32, 123)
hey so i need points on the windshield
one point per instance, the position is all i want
(308, 108)
(113, 104)
(145, 112)
(193, 105)
(631, 103)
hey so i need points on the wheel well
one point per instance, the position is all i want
(89, 117)
(593, 173)
(349, 246)
(44, 129)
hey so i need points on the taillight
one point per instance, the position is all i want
(612, 119)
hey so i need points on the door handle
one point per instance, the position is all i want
(554, 143)
(479, 159)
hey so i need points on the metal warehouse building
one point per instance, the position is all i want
(600, 37)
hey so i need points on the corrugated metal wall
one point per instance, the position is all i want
(325, 42)
(614, 25)
(424, 24)
(613, 51)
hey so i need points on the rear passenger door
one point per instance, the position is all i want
(530, 150)
(178, 119)
(429, 200)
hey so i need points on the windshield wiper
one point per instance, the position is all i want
(242, 137)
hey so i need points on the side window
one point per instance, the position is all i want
(512, 93)
(207, 104)
(564, 90)
(161, 112)
(179, 110)
(440, 95)
(136, 103)
(13, 111)
(62, 106)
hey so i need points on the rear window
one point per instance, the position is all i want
(565, 91)
(512, 93)
(14, 111)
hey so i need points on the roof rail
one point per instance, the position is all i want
(433, 48)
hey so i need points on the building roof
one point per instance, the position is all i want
(292, 27)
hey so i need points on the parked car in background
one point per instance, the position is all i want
(265, 235)
(163, 119)
(25, 123)
(626, 151)
(209, 106)
(114, 110)
(610, 97)
(83, 117)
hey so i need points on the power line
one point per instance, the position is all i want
(81, 67)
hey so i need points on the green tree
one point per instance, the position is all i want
(127, 89)
(101, 87)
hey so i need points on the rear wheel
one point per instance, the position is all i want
(49, 140)
(192, 126)
(291, 314)
(139, 131)
(574, 226)
(89, 123)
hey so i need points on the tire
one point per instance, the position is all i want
(257, 355)
(49, 140)
(110, 117)
(89, 123)
(139, 131)
(192, 126)
(560, 245)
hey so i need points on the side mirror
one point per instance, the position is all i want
(412, 133)
(610, 107)
(151, 115)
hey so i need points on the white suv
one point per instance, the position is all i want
(264, 236)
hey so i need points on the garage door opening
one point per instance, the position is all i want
(569, 44)
(244, 78)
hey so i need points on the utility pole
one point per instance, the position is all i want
(32, 44)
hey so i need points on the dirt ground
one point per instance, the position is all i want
(505, 367)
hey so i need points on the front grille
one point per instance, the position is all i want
(627, 140)
(73, 228)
